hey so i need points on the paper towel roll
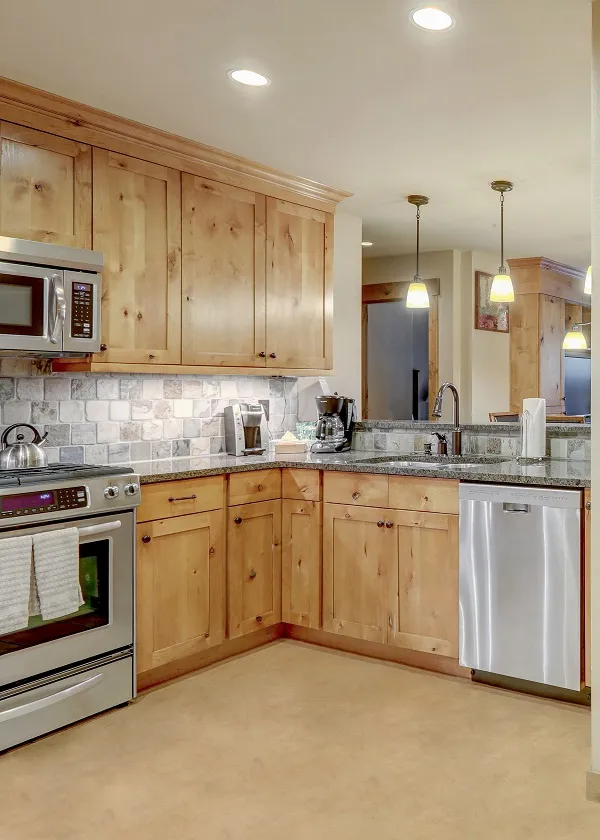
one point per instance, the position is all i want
(534, 428)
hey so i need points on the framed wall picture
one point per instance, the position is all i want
(488, 315)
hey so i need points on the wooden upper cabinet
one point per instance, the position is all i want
(299, 286)
(180, 587)
(223, 274)
(360, 558)
(45, 187)
(137, 224)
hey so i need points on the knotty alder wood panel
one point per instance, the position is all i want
(426, 614)
(180, 587)
(137, 224)
(437, 495)
(301, 484)
(356, 489)
(45, 187)
(254, 486)
(301, 563)
(524, 347)
(360, 556)
(299, 305)
(223, 274)
(253, 566)
(180, 497)
(552, 326)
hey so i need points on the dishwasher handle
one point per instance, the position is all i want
(513, 507)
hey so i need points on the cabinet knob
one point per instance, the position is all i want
(103, 347)
(252, 574)
(262, 354)
(273, 355)
(389, 524)
(381, 523)
(258, 619)
(356, 495)
(238, 520)
(588, 505)
(146, 538)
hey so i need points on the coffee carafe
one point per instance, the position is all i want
(335, 423)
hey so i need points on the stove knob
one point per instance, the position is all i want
(111, 492)
(131, 489)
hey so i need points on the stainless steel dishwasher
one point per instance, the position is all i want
(520, 583)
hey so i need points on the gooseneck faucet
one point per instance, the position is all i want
(437, 412)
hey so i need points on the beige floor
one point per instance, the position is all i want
(297, 743)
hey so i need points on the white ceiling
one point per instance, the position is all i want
(360, 99)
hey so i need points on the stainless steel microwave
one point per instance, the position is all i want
(50, 299)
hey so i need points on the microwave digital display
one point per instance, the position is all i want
(82, 310)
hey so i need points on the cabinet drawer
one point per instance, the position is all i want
(254, 486)
(176, 498)
(356, 489)
(438, 495)
(304, 485)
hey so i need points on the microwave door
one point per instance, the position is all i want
(32, 307)
(83, 295)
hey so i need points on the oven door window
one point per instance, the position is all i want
(94, 612)
(21, 305)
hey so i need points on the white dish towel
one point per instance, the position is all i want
(56, 564)
(15, 578)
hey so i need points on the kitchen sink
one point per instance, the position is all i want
(429, 463)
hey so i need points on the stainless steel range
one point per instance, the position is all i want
(54, 672)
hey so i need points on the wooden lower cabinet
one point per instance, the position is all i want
(359, 571)
(391, 576)
(425, 616)
(253, 566)
(180, 587)
(301, 563)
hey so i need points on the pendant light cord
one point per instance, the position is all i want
(418, 237)
(502, 232)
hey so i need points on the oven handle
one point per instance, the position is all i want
(44, 702)
(60, 308)
(90, 530)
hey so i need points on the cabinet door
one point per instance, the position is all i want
(552, 330)
(587, 535)
(254, 566)
(360, 561)
(45, 187)
(426, 610)
(137, 224)
(223, 274)
(180, 587)
(299, 286)
(301, 563)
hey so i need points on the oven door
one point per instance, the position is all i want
(103, 624)
(32, 308)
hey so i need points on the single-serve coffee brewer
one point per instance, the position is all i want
(246, 430)
(335, 424)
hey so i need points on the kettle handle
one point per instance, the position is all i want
(38, 439)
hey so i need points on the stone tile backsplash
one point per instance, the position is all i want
(100, 419)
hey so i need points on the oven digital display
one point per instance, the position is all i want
(28, 501)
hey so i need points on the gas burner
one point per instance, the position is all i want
(38, 475)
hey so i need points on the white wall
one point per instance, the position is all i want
(347, 313)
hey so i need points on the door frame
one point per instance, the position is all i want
(389, 293)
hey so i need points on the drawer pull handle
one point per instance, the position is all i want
(252, 574)
(238, 520)
(381, 523)
(258, 619)
(182, 498)
(146, 538)
(356, 495)
(389, 524)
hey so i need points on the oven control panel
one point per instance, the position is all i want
(43, 501)
(82, 310)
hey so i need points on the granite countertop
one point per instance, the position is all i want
(555, 472)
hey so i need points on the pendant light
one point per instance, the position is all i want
(502, 288)
(587, 289)
(417, 296)
(575, 339)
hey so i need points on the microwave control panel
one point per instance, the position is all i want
(24, 504)
(82, 310)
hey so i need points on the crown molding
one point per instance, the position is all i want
(549, 265)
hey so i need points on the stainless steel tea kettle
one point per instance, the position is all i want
(19, 455)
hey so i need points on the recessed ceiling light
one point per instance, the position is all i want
(431, 18)
(249, 77)
(366, 244)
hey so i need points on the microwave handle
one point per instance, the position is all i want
(58, 311)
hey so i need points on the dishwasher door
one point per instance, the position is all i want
(520, 581)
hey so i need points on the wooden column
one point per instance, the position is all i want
(547, 295)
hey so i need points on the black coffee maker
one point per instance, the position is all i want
(335, 424)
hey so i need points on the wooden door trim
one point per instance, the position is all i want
(57, 115)
(388, 293)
